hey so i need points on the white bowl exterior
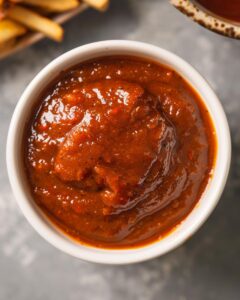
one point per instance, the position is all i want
(17, 174)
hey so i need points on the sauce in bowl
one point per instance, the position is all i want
(228, 9)
(119, 151)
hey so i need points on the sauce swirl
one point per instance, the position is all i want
(119, 151)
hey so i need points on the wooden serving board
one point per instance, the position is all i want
(32, 38)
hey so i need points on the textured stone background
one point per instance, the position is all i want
(207, 266)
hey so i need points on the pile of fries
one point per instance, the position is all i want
(18, 17)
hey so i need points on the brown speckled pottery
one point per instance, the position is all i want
(207, 19)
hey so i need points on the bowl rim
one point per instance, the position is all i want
(204, 17)
(189, 225)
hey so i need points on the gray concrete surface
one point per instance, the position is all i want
(207, 267)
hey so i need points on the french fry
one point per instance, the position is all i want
(16, 19)
(2, 9)
(6, 46)
(9, 30)
(36, 22)
(54, 5)
(98, 4)
(2, 14)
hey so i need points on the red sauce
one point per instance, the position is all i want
(119, 151)
(229, 9)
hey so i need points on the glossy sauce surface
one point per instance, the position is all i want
(119, 151)
(229, 9)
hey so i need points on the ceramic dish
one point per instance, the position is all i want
(17, 174)
(207, 19)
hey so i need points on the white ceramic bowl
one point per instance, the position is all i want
(17, 174)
